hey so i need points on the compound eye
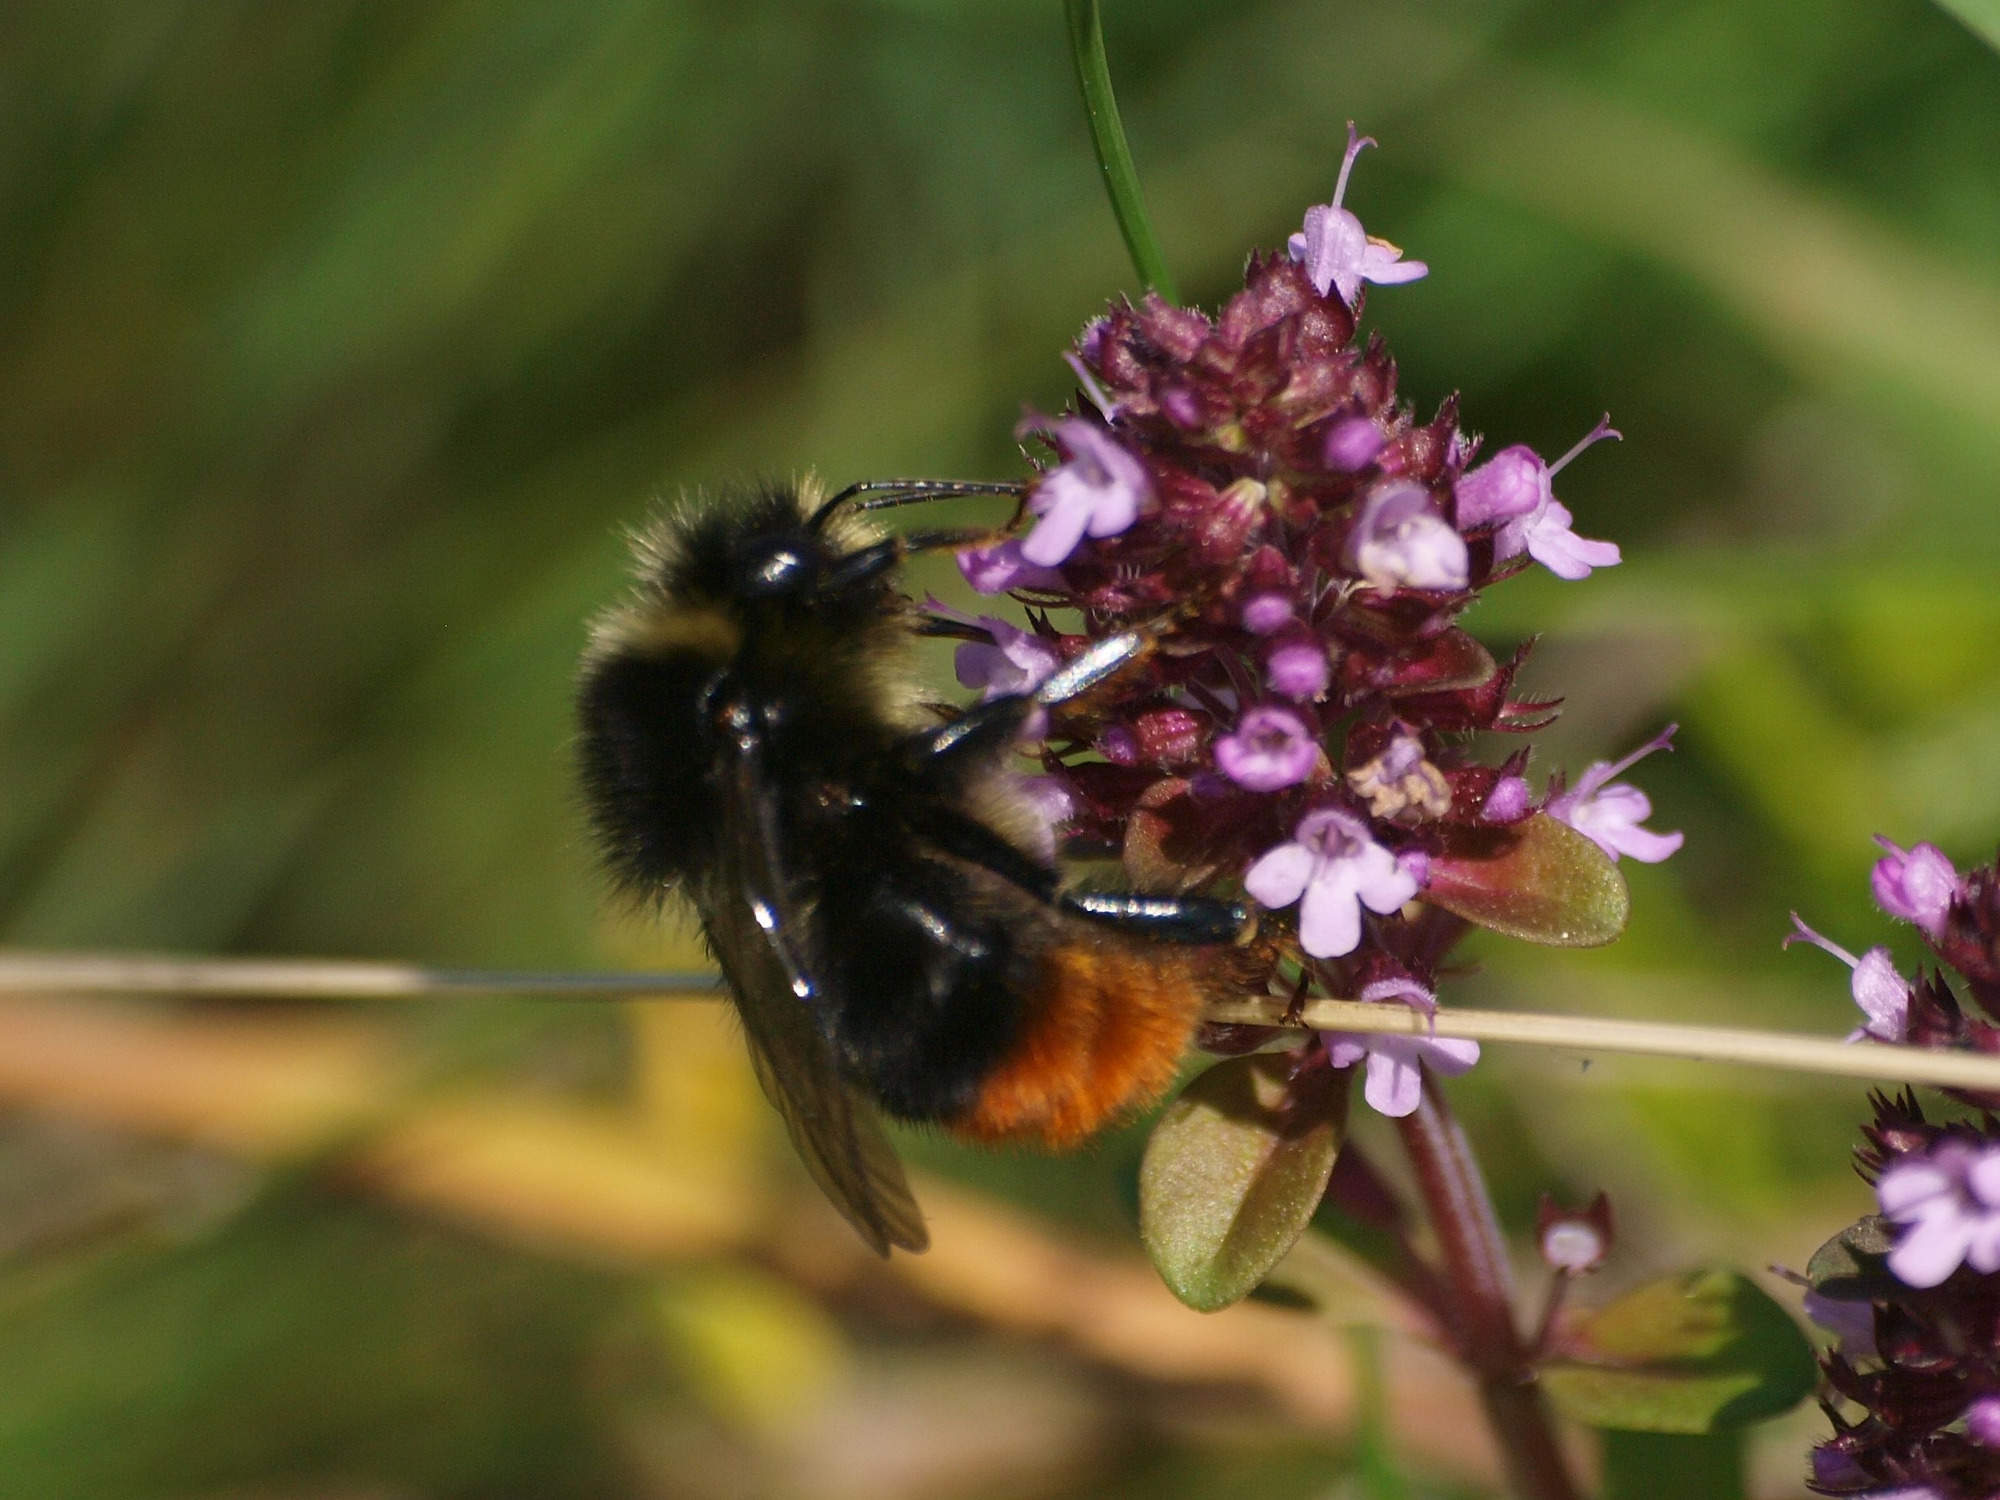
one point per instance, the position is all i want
(780, 568)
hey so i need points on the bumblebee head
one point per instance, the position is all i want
(760, 615)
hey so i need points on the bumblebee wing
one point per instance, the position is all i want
(755, 926)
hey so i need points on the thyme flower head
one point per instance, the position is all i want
(1311, 724)
(1915, 1378)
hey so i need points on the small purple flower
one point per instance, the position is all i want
(1915, 885)
(1337, 252)
(1609, 816)
(1097, 490)
(1395, 1083)
(1013, 661)
(1270, 749)
(1572, 1247)
(1507, 802)
(1883, 994)
(1119, 745)
(999, 568)
(1948, 1204)
(1295, 666)
(1833, 1470)
(1515, 490)
(1352, 443)
(1982, 1421)
(1049, 799)
(1266, 613)
(1400, 541)
(1834, 1473)
(1506, 487)
(1332, 868)
(1852, 1324)
(1574, 1241)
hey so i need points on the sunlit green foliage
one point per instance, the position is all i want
(338, 341)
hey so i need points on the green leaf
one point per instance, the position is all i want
(1233, 1172)
(1980, 17)
(1114, 156)
(1669, 1466)
(1539, 880)
(1701, 1352)
(1853, 1265)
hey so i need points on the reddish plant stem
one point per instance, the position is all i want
(1482, 1287)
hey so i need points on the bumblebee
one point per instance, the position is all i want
(866, 871)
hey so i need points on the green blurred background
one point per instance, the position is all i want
(339, 341)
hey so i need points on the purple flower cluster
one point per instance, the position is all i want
(1959, 917)
(1916, 1374)
(1245, 490)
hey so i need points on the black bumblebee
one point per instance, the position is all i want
(862, 867)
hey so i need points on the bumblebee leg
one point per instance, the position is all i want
(1164, 919)
(979, 734)
(971, 840)
(1197, 920)
(1080, 674)
(1168, 919)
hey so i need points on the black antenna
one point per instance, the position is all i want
(881, 494)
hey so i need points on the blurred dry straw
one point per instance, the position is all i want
(336, 1090)
(130, 974)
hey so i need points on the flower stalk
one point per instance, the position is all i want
(1477, 1272)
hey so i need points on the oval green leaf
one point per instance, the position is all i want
(1539, 880)
(1853, 1266)
(1704, 1351)
(1233, 1172)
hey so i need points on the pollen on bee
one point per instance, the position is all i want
(1106, 1030)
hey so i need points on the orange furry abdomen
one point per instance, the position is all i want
(1106, 1029)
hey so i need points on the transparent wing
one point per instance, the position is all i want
(756, 928)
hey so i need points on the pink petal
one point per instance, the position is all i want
(1265, 614)
(1573, 1246)
(1343, 1050)
(1329, 916)
(995, 570)
(1559, 549)
(1646, 846)
(1982, 1421)
(1512, 483)
(1910, 1183)
(1929, 1254)
(1352, 443)
(1983, 1253)
(1269, 750)
(1983, 1177)
(1450, 1055)
(1383, 264)
(1882, 994)
(1395, 1084)
(1297, 668)
(1061, 527)
(1381, 881)
(1507, 802)
(1916, 885)
(1279, 876)
(1331, 249)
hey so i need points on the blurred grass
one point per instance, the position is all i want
(337, 342)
